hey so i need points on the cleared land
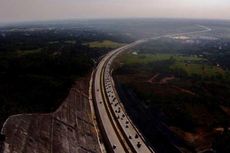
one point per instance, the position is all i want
(69, 129)
(104, 44)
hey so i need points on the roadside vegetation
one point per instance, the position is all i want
(181, 87)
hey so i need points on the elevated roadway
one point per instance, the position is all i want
(118, 131)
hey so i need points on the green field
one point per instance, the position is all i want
(104, 44)
(191, 65)
(198, 69)
(27, 52)
(148, 58)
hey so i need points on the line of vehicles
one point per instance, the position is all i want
(119, 133)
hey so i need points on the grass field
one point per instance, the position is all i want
(27, 52)
(148, 58)
(198, 69)
(104, 44)
(192, 65)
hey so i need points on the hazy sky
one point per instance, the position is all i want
(21, 10)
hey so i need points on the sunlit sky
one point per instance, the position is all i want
(32, 10)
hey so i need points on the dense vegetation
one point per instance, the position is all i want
(182, 84)
(39, 66)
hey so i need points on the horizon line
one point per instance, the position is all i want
(10, 23)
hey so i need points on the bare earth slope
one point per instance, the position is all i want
(68, 130)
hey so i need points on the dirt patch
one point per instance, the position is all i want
(167, 79)
(69, 129)
(200, 139)
(184, 90)
(161, 78)
(225, 109)
(153, 79)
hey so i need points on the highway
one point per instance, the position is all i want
(119, 133)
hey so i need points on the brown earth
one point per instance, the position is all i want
(200, 139)
(70, 129)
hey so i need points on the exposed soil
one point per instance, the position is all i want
(163, 79)
(153, 79)
(69, 129)
(182, 90)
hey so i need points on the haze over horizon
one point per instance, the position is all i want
(36, 10)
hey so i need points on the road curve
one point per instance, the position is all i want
(118, 131)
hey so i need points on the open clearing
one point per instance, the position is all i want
(104, 44)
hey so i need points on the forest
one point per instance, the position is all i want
(38, 66)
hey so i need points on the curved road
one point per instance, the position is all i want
(118, 131)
